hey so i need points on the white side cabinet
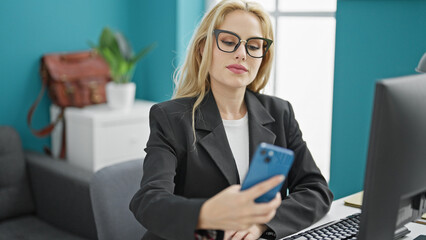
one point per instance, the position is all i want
(97, 136)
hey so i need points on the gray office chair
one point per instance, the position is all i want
(111, 190)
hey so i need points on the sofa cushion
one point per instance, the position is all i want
(30, 227)
(15, 195)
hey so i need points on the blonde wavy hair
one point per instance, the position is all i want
(192, 78)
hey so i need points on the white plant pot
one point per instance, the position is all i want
(120, 95)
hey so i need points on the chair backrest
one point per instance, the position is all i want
(111, 190)
(15, 195)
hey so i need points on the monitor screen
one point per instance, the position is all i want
(395, 178)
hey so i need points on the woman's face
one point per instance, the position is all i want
(234, 71)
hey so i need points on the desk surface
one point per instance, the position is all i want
(338, 210)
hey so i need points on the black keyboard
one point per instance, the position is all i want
(344, 229)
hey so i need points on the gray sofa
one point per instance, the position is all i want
(42, 197)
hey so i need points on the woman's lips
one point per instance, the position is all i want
(237, 68)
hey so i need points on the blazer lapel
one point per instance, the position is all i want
(258, 118)
(215, 142)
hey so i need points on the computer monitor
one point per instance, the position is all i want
(395, 179)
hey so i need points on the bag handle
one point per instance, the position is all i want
(63, 144)
(49, 128)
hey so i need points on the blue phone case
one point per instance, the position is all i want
(268, 161)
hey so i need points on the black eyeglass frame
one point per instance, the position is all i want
(269, 42)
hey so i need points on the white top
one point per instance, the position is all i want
(237, 132)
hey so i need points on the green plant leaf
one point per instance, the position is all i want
(112, 61)
(108, 40)
(143, 52)
(124, 46)
(118, 53)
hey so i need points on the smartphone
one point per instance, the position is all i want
(268, 161)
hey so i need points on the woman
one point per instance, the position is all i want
(201, 141)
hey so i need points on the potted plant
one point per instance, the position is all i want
(118, 53)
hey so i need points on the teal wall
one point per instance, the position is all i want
(187, 21)
(171, 28)
(153, 22)
(28, 29)
(374, 40)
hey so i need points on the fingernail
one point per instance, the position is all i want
(281, 178)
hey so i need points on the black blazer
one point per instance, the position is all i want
(178, 176)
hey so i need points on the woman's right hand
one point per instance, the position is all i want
(232, 209)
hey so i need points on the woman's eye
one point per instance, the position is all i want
(228, 43)
(253, 47)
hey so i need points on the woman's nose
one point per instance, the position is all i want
(241, 52)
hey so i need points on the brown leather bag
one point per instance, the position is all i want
(73, 80)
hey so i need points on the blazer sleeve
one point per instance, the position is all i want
(155, 205)
(309, 197)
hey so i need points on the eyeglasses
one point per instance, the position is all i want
(229, 42)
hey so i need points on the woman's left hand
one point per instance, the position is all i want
(252, 233)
